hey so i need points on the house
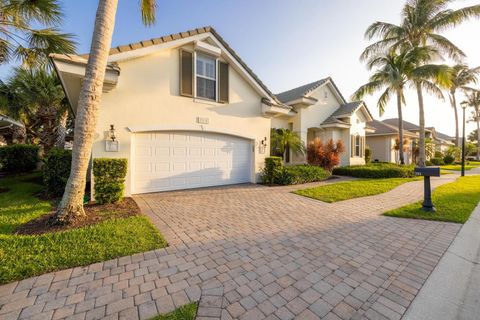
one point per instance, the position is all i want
(382, 140)
(320, 111)
(187, 112)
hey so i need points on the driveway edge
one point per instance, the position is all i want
(451, 291)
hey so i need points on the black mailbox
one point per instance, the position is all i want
(427, 172)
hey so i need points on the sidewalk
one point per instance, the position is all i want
(453, 289)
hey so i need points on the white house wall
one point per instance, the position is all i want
(147, 95)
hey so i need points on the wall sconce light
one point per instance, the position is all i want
(112, 133)
(263, 143)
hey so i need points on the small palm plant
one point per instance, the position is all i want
(283, 140)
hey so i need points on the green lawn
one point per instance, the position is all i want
(23, 256)
(352, 189)
(457, 167)
(454, 202)
(187, 312)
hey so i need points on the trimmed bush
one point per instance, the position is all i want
(438, 154)
(273, 166)
(18, 158)
(437, 161)
(448, 159)
(376, 170)
(56, 171)
(368, 155)
(326, 155)
(299, 174)
(109, 178)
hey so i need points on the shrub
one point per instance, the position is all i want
(438, 154)
(273, 166)
(18, 158)
(298, 174)
(109, 177)
(368, 155)
(327, 155)
(376, 170)
(56, 171)
(437, 161)
(448, 159)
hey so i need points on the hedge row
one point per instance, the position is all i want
(56, 171)
(19, 158)
(276, 173)
(376, 170)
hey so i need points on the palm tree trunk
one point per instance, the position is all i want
(477, 113)
(453, 101)
(421, 140)
(71, 206)
(61, 130)
(400, 128)
(19, 134)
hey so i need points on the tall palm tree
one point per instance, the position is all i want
(421, 25)
(391, 76)
(283, 140)
(22, 39)
(36, 98)
(473, 99)
(71, 206)
(459, 77)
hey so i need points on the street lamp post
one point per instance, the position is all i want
(464, 106)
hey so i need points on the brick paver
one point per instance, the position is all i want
(253, 252)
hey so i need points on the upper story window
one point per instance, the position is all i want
(206, 73)
(357, 145)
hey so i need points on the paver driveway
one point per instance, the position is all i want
(254, 252)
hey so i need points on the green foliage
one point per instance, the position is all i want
(19, 158)
(273, 166)
(298, 174)
(109, 177)
(454, 202)
(352, 189)
(26, 256)
(283, 138)
(186, 312)
(368, 155)
(454, 152)
(56, 171)
(448, 159)
(437, 161)
(438, 154)
(376, 170)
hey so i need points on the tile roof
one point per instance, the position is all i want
(171, 37)
(406, 125)
(300, 92)
(442, 136)
(382, 128)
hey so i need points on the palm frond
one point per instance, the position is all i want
(367, 89)
(452, 18)
(148, 9)
(432, 89)
(383, 101)
(47, 12)
(446, 47)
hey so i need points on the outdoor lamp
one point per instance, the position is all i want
(112, 132)
(464, 106)
(264, 142)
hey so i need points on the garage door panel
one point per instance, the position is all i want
(181, 160)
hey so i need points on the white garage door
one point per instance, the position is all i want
(183, 160)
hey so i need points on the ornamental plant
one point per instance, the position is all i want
(109, 178)
(326, 155)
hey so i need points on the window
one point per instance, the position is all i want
(206, 77)
(357, 146)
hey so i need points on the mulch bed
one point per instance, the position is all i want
(95, 213)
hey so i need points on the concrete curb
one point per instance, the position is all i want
(452, 290)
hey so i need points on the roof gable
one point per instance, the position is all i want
(307, 89)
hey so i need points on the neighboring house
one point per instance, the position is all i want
(382, 139)
(320, 111)
(187, 112)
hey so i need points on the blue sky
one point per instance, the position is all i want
(286, 42)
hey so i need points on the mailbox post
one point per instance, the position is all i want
(427, 172)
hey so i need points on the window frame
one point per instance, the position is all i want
(358, 145)
(215, 60)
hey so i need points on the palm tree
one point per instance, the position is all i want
(21, 39)
(391, 76)
(459, 77)
(283, 140)
(421, 25)
(36, 98)
(71, 206)
(474, 101)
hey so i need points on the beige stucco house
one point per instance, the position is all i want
(187, 112)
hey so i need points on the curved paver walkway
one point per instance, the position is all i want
(253, 252)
